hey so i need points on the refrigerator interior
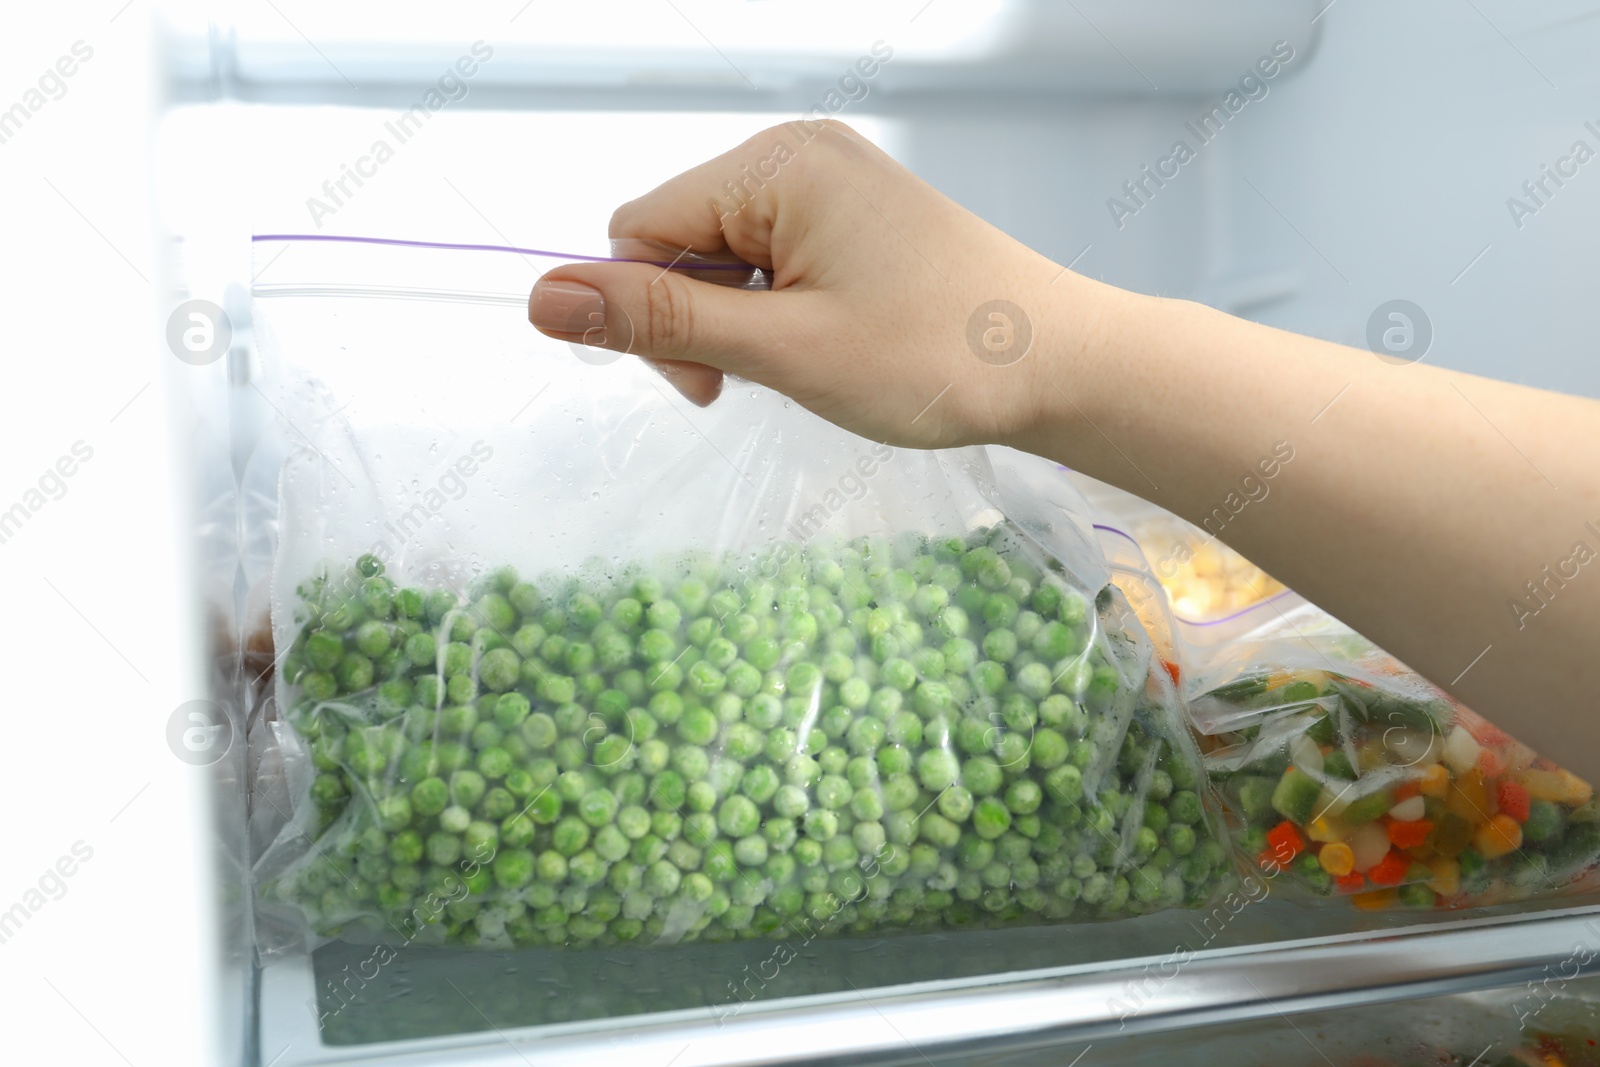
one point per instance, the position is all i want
(1375, 166)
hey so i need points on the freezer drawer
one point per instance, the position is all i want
(948, 998)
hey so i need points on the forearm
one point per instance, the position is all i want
(1417, 506)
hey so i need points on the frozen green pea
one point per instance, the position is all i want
(862, 772)
(898, 674)
(648, 849)
(518, 830)
(744, 680)
(611, 844)
(705, 680)
(1023, 797)
(760, 783)
(725, 775)
(525, 642)
(394, 813)
(738, 816)
(855, 693)
(569, 836)
(955, 803)
(836, 722)
(586, 869)
(666, 708)
(932, 698)
(719, 863)
(791, 801)
(698, 726)
(500, 669)
(406, 847)
(727, 707)
(751, 850)
(885, 703)
(372, 638)
(455, 819)
(833, 791)
(354, 672)
(539, 731)
(900, 791)
(865, 734)
(1184, 807)
(974, 853)
(429, 796)
(938, 769)
(833, 759)
(480, 840)
(983, 776)
(494, 762)
(597, 807)
(655, 646)
(467, 788)
(990, 817)
(443, 848)
(700, 829)
(630, 788)
(613, 754)
(781, 833)
(894, 759)
(691, 761)
(951, 621)
(702, 796)
(938, 830)
(820, 824)
(664, 615)
(550, 866)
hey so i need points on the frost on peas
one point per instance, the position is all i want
(762, 732)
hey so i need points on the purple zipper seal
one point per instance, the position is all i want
(1241, 613)
(399, 242)
(1125, 536)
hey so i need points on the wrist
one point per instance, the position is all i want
(1097, 348)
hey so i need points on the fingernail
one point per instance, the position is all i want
(567, 307)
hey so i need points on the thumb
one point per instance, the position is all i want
(689, 330)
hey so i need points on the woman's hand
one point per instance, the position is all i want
(876, 320)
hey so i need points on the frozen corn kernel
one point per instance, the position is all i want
(1578, 791)
(1446, 880)
(1327, 828)
(1558, 786)
(1468, 799)
(1497, 837)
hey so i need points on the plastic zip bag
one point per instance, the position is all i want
(1352, 775)
(1344, 771)
(566, 662)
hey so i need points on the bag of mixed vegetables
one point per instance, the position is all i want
(565, 661)
(1204, 580)
(1352, 775)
